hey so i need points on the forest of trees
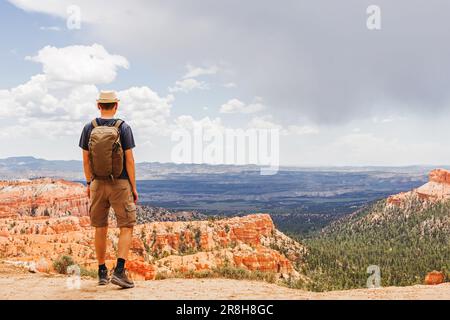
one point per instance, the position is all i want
(405, 243)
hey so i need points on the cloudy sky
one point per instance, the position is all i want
(341, 94)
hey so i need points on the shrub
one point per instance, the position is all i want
(240, 273)
(203, 274)
(162, 275)
(62, 263)
(88, 272)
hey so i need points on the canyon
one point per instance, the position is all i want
(42, 197)
(42, 220)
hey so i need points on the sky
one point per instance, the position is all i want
(339, 92)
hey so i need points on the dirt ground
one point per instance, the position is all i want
(17, 283)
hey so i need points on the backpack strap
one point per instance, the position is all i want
(94, 123)
(118, 123)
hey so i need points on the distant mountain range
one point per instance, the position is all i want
(300, 200)
(31, 167)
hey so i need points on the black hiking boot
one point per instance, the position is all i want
(103, 277)
(121, 279)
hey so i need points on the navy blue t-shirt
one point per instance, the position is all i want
(126, 138)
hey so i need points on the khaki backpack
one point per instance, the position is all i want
(105, 151)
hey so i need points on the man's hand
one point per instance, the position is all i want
(135, 195)
(87, 171)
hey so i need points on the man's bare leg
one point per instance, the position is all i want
(120, 277)
(100, 244)
(125, 237)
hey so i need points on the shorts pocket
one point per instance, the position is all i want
(130, 210)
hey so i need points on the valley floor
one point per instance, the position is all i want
(16, 283)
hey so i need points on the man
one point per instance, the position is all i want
(112, 189)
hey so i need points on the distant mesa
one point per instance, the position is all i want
(435, 190)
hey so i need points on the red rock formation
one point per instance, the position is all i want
(42, 197)
(440, 176)
(251, 229)
(264, 259)
(437, 189)
(434, 277)
(169, 247)
(41, 220)
(141, 269)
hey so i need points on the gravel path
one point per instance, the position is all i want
(16, 283)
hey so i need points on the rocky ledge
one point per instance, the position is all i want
(435, 190)
(159, 248)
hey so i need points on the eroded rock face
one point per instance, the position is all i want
(41, 220)
(437, 189)
(440, 176)
(42, 197)
(249, 242)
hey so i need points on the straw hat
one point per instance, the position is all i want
(107, 97)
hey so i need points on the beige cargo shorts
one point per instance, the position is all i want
(116, 194)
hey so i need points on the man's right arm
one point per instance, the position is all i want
(87, 170)
(131, 170)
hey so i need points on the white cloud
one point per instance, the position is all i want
(46, 6)
(193, 72)
(33, 110)
(79, 103)
(29, 99)
(65, 102)
(188, 85)
(191, 31)
(79, 64)
(237, 106)
(310, 85)
(146, 110)
(264, 122)
(7, 104)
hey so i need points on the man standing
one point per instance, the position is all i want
(109, 168)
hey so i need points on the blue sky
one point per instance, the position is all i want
(339, 93)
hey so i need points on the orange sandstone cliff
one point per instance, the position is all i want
(42, 197)
(42, 220)
(436, 189)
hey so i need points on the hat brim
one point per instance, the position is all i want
(108, 100)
